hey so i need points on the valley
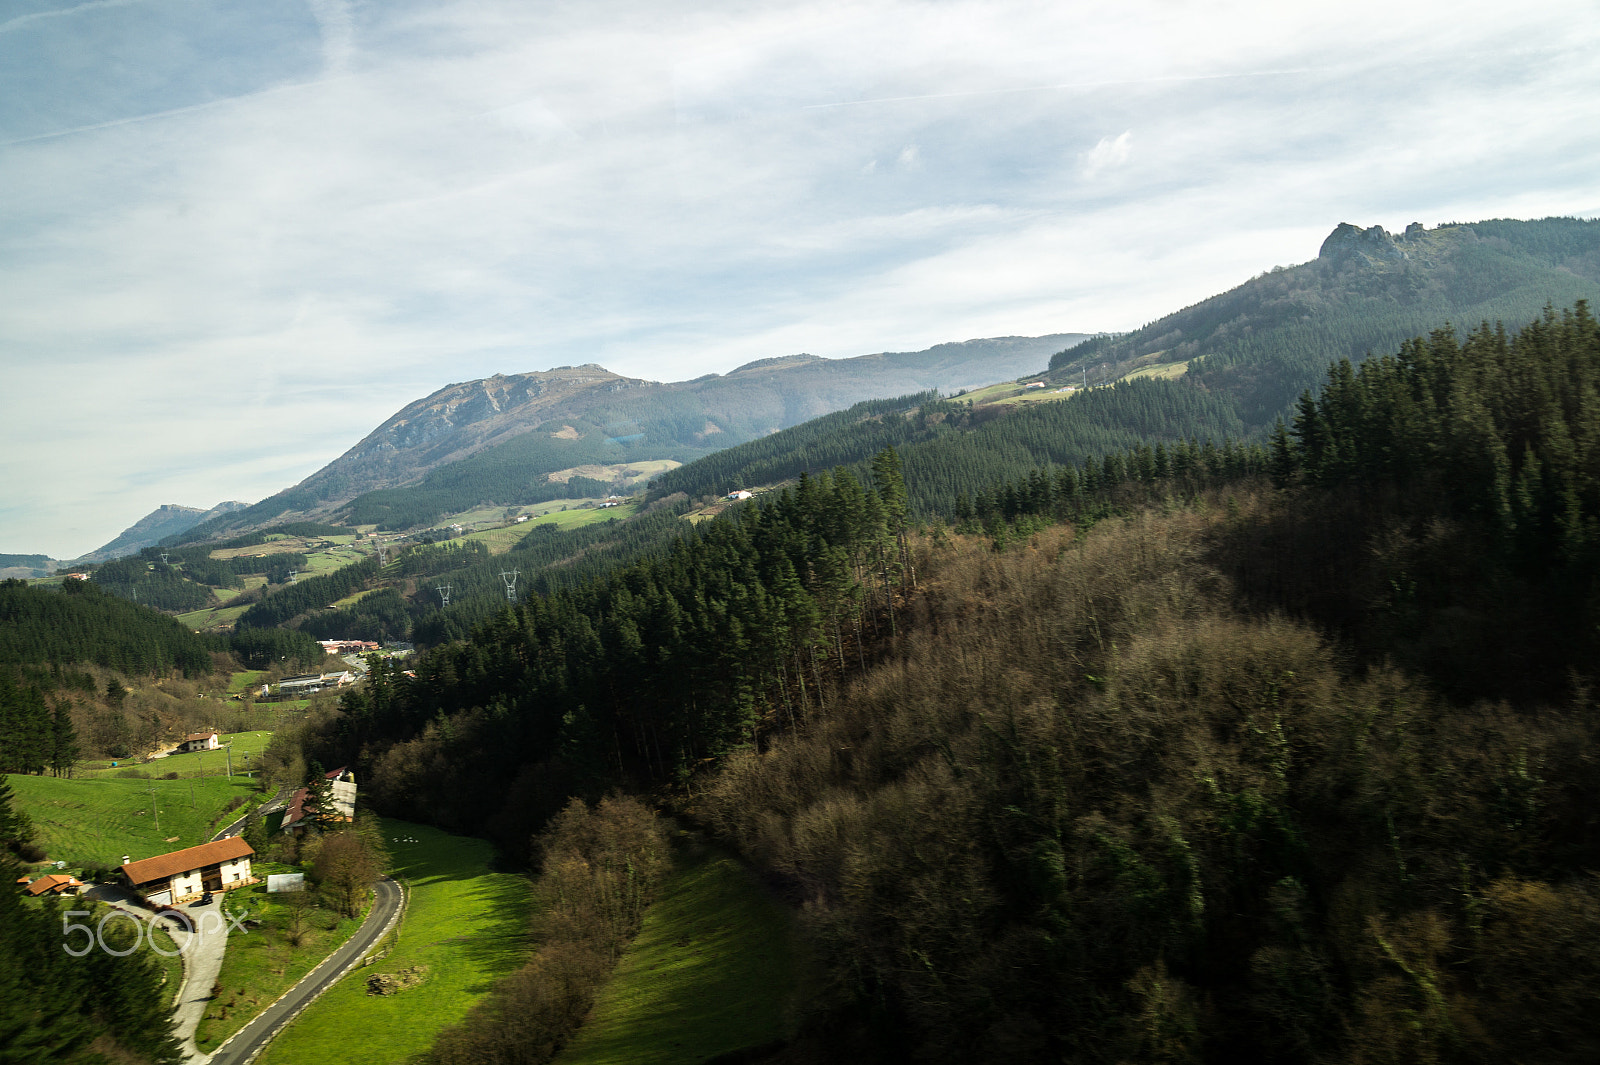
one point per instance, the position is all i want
(1216, 691)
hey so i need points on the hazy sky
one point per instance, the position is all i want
(235, 236)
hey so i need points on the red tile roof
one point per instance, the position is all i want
(191, 737)
(165, 865)
(53, 882)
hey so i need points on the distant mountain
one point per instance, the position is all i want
(169, 519)
(555, 420)
(22, 567)
(1268, 339)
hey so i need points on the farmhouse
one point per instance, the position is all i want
(301, 808)
(199, 741)
(183, 875)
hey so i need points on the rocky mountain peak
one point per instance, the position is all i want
(1372, 243)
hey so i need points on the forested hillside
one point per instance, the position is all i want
(80, 623)
(118, 1006)
(1184, 754)
(1366, 292)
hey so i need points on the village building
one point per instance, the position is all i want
(182, 876)
(315, 682)
(199, 741)
(342, 784)
(54, 884)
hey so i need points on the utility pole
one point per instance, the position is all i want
(444, 594)
(153, 811)
(511, 585)
(229, 749)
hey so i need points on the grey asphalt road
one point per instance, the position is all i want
(253, 1037)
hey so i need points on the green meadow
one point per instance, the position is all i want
(99, 820)
(465, 924)
(272, 955)
(714, 969)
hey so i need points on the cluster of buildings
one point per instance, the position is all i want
(348, 647)
(315, 682)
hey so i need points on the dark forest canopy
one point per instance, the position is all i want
(81, 623)
(1159, 762)
(59, 1008)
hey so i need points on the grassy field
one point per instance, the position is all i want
(100, 820)
(503, 539)
(494, 515)
(351, 600)
(266, 962)
(500, 540)
(328, 561)
(572, 519)
(211, 616)
(247, 748)
(276, 544)
(1169, 370)
(714, 969)
(466, 924)
(246, 680)
(1009, 393)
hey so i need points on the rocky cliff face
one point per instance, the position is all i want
(1372, 243)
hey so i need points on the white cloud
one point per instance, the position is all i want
(287, 222)
(1107, 154)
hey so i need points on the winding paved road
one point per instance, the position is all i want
(252, 1039)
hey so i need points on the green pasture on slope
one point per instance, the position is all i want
(211, 617)
(467, 924)
(99, 820)
(328, 561)
(248, 680)
(574, 518)
(714, 969)
(247, 748)
(265, 961)
(1169, 370)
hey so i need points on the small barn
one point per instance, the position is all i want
(166, 879)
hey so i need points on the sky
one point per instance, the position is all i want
(235, 236)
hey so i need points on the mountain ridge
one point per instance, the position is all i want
(169, 519)
(615, 418)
